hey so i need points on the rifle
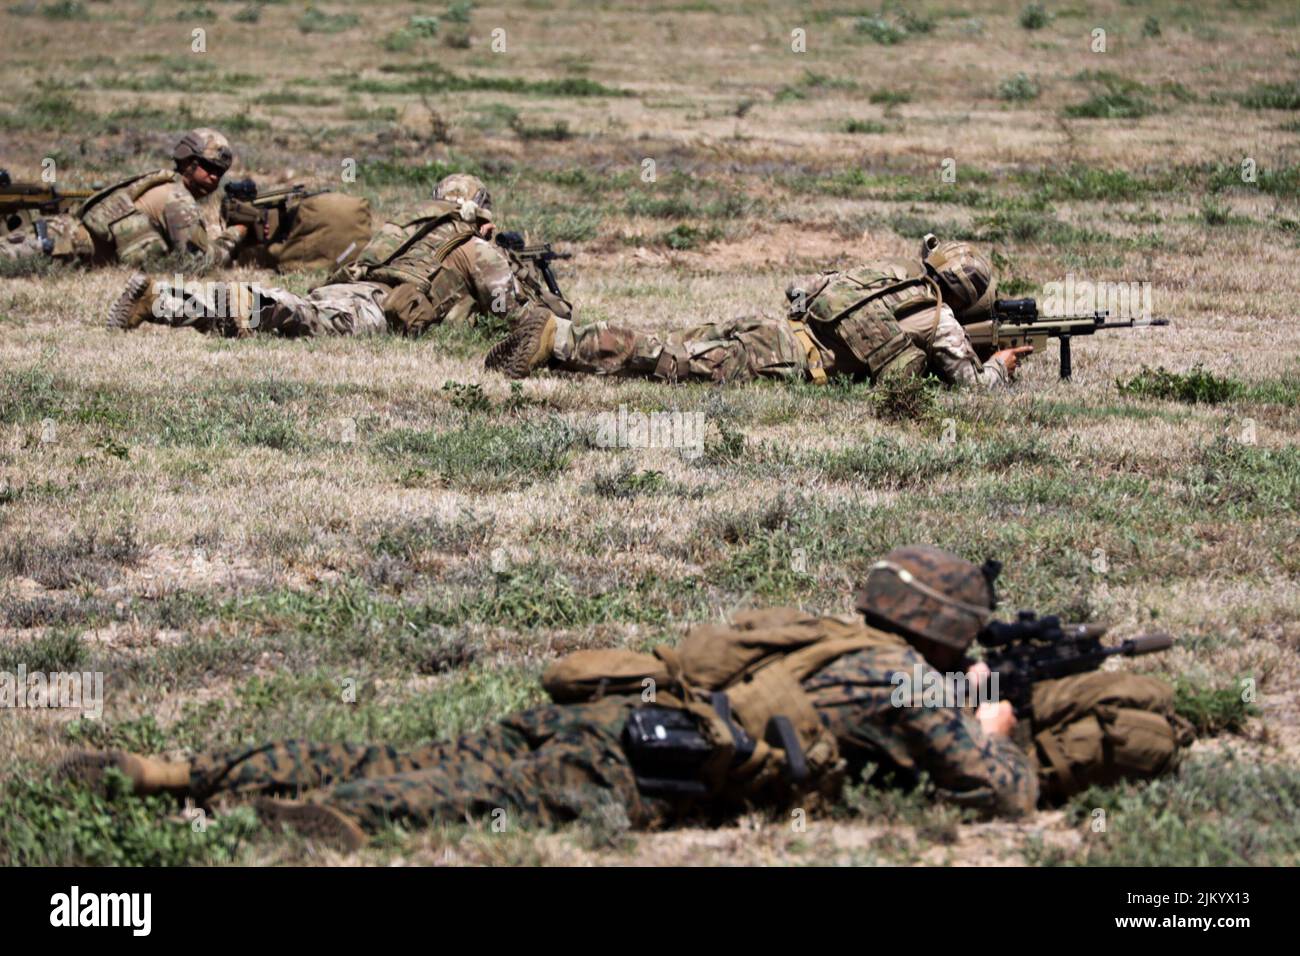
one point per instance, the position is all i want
(1031, 649)
(43, 198)
(245, 205)
(1016, 322)
(542, 254)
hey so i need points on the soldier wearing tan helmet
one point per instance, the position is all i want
(876, 320)
(149, 215)
(437, 266)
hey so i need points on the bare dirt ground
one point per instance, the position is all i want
(231, 531)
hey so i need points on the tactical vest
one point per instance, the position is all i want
(860, 311)
(414, 251)
(757, 662)
(111, 217)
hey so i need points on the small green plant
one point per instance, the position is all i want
(1272, 96)
(555, 132)
(1151, 27)
(880, 30)
(910, 398)
(469, 398)
(1214, 213)
(627, 482)
(686, 236)
(199, 14)
(1018, 88)
(1195, 387)
(890, 97)
(316, 20)
(1210, 710)
(249, 14)
(864, 126)
(1117, 98)
(66, 10)
(1034, 16)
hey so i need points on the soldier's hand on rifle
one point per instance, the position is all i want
(487, 230)
(1011, 357)
(997, 720)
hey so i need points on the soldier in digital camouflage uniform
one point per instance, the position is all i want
(556, 763)
(439, 266)
(879, 319)
(147, 215)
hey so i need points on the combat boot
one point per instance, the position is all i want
(315, 821)
(134, 305)
(529, 346)
(147, 775)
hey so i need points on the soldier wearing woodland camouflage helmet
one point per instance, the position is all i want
(875, 320)
(775, 708)
(147, 215)
(437, 266)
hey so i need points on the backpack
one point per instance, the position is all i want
(862, 308)
(326, 231)
(1103, 727)
(756, 664)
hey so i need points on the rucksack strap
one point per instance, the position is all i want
(815, 367)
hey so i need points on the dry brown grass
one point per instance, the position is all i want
(232, 451)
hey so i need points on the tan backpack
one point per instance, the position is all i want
(1102, 727)
(326, 231)
(757, 662)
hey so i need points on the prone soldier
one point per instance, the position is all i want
(878, 319)
(439, 266)
(777, 708)
(145, 216)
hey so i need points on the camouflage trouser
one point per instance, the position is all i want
(541, 766)
(68, 239)
(21, 245)
(737, 350)
(344, 308)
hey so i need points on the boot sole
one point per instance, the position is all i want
(523, 349)
(119, 316)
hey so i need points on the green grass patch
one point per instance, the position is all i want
(1194, 387)
(486, 456)
(1212, 710)
(49, 823)
(317, 20)
(436, 79)
(1218, 811)
(1272, 96)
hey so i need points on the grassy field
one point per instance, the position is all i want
(232, 531)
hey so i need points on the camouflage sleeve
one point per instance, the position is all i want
(223, 247)
(496, 290)
(182, 223)
(952, 356)
(989, 774)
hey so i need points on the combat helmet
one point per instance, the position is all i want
(462, 187)
(965, 276)
(206, 145)
(926, 593)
